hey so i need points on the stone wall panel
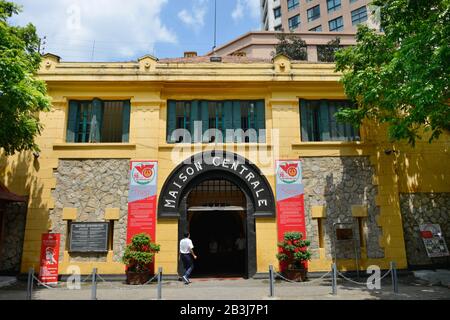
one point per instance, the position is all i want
(338, 183)
(14, 216)
(91, 186)
(424, 208)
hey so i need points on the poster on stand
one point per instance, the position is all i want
(49, 260)
(142, 199)
(434, 240)
(290, 198)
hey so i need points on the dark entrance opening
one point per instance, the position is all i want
(218, 181)
(216, 219)
(217, 235)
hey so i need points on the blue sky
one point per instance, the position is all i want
(126, 30)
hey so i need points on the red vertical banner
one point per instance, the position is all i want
(142, 199)
(290, 198)
(48, 271)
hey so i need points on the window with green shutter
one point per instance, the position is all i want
(318, 121)
(171, 119)
(98, 121)
(72, 121)
(227, 120)
(237, 123)
(217, 121)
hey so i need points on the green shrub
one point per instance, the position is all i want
(294, 250)
(139, 253)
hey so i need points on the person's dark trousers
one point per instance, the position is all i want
(188, 264)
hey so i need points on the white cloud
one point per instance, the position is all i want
(122, 30)
(195, 18)
(254, 7)
(238, 12)
(186, 17)
(246, 8)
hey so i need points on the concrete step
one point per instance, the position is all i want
(434, 277)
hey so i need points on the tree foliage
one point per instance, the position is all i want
(292, 46)
(326, 53)
(22, 96)
(401, 77)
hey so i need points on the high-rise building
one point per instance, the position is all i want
(316, 15)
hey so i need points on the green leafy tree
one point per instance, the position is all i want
(22, 96)
(401, 78)
(292, 46)
(326, 53)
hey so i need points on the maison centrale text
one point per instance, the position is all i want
(252, 179)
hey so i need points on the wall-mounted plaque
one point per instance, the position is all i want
(434, 240)
(344, 234)
(89, 237)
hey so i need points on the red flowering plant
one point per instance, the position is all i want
(293, 251)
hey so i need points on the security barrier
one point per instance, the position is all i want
(95, 277)
(335, 274)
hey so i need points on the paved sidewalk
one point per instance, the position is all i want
(434, 277)
(7, 281)
(239, 289)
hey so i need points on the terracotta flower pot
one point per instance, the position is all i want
(299, 275)
(137, 278)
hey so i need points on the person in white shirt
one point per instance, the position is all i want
(186, 255)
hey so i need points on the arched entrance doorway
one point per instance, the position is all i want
(216, 220)
(191, 195)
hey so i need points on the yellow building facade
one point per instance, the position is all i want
(368, 182)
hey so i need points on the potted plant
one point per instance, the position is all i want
(293, 255)
(138, 257)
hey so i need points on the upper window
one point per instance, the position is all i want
(277, 12)
(294, 22)
(359, 15)
(317, 29)
(333, 5)
(216, 121)
(353, 1)
(278, 27)
(336, 24)
(292, 4)
(318, 121)
(98, 121)
(313, 13)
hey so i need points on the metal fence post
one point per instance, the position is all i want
(94, 285)
(334, 279)
(271, 280)
(160, 283)
(30, 284)
(394, 276)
